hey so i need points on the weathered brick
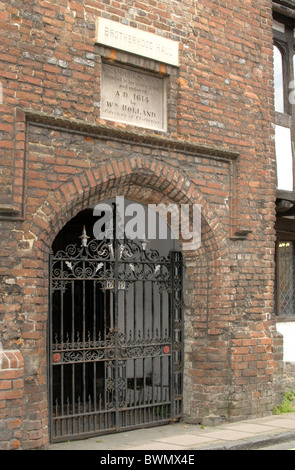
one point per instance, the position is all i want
(59, 157)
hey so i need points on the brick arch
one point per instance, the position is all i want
(145, 181)
(141, 179)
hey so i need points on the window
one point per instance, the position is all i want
(284, 158)
(278, 80)
(284, 60)
(285, 279)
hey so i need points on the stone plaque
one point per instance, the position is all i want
(133, 97)
(133, 40)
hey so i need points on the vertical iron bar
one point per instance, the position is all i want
(84, 396)
(68, 419)
(171, 322)
(144, 337)
(182, 324)
(153, 389)
(73, 311)
(62, 366)
(104, 292)
(161, 312)
(73, 395)
(94, 310)
(83, 342)
(133, 360)
(105, 393)
(116, 292)
(61, 310)
(112, 301)
(134, 310)
(125, 307)
(84, 308)
(73, 340)
(49, 348)
(144, 386)
(94, 379)
(152, 313)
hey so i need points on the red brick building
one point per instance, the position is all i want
(203, 135)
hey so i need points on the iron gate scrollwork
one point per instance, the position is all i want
(115, 338)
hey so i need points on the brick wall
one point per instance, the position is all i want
(11, 399)
(58, 157)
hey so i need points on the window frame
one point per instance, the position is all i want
(287, 317)
(285, 42)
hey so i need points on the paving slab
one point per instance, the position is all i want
(186, 440)
(283, 423)
(252, 428)
(229, 435)
(158, 446)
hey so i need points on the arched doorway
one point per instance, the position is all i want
(115, 332)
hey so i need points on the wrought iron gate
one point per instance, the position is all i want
(115, 338)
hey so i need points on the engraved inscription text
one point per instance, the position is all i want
(133, 97)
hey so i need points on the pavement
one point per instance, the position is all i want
(242, 435)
